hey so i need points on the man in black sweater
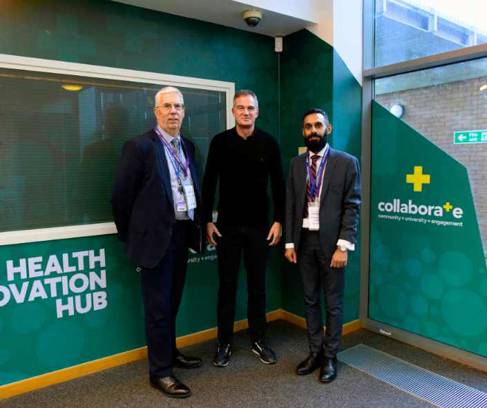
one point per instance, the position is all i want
(242, 160)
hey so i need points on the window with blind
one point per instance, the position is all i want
(61, 138)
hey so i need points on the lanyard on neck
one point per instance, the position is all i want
(315, 182)
(175, 158)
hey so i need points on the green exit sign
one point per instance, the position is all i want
(470, 136)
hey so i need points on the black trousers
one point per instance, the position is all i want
(162, 289)
(252, 244)
(318, 276)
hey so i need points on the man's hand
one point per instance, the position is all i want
(210, 230)
(274, 234)
(290, 255)
(339, 259)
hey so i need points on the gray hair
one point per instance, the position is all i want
(166, 90)
(246, 92)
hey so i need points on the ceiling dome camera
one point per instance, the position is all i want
(252, 17)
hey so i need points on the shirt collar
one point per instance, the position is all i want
(167, 137)
(252, 136)
(321, 153)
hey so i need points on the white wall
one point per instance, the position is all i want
(347, 34)
(324, 12)
(302, 9)
(340, 25)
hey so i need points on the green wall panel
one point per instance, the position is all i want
(111, 34)
(314, 75)
(347, 117)
(115, 35)
(427, 268)
(34, 340)
(306, 80)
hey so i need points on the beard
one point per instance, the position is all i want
(316, 144)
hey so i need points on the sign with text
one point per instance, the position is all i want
(427, 264)
(65, 302)
(470, 136)
(77, 281)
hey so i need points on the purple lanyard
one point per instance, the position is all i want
(314, 183)
(176, 161)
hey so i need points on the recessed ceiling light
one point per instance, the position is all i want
(72, 87)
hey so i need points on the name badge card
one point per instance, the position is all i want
(190, 196)
(314, 216)
(181, 204)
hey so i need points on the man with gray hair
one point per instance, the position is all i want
(155, 201)
(243, 161)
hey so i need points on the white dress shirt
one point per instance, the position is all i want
(175, 183)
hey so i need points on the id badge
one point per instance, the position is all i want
(314, 216)
(181, 204)
(190, 196)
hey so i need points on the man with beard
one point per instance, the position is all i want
(322, 211)
(243, 160)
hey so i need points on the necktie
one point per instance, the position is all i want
(175, 143)
(175, 146)
(313, 168)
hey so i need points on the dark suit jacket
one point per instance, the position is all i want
(142, 200)
(339, 200)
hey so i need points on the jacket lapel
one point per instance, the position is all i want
(330, 164)
(192, 167)
(301, 178)
(163, 168)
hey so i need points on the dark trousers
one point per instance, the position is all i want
(252, 244)
(162, 288)
(318, 276)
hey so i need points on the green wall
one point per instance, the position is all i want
(314, 75)
(427, 269)
(34, 341)
(115, 35)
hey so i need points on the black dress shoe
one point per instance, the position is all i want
(182, 361)
(171, 386)
(328, 370)
(311, 363)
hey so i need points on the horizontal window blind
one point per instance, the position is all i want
(61, 138)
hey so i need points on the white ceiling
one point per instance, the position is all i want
(279, 17)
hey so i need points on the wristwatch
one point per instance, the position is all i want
(342, 248)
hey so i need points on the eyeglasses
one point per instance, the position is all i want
(168, 106)
(241, 108)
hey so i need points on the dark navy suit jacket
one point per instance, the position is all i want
(142, 200)
(339, 200)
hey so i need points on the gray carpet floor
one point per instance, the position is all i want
(248, 383)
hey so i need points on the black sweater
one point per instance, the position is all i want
(243, 168)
